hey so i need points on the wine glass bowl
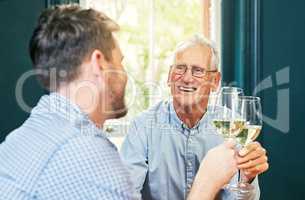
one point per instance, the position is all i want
(226, 110)
(251, 112)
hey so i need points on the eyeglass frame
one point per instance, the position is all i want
(186, 67)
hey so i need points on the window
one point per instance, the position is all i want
(150, 30)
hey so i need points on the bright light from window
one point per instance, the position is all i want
(150, 30)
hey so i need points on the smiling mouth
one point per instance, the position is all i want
(187, 89)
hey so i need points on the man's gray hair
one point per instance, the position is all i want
(202, 41)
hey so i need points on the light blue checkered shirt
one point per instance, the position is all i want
(58, 153)
(164, 155)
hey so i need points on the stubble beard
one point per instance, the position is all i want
(118, 106)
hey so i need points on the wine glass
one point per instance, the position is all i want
(227, 116)
(251, 112)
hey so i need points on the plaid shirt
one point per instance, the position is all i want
(58, 153)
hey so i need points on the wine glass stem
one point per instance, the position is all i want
(241, 177)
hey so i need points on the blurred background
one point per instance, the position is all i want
(261, 44)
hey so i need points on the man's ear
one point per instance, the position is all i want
(215, 81)
(98, 62)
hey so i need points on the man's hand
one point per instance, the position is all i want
(253, 160)
(216, 170)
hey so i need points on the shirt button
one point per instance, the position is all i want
(189, 186)
(189, 164)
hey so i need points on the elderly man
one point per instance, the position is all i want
(60, 151)
(166, 144)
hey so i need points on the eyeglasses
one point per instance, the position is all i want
(197, 71)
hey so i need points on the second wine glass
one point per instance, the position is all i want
(251, 112)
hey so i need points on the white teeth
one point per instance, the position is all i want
(187, 89)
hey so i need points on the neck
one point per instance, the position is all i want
(86, 100)
(190, 115)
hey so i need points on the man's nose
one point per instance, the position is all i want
(188, 77)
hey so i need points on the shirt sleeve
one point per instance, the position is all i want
(134, 152)
(88, 167)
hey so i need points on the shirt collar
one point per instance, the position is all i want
(175, 121)
(64, 108)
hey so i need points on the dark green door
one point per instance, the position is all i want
(263, 51)
(17, 19)
(283, 63)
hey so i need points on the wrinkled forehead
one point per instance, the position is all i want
(195, 54)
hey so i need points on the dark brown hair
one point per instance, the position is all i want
(64, 37)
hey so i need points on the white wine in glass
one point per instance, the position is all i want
(229, 128)
(226, 110)
(248, 134)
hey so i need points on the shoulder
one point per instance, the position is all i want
(85, 162)
(50, 125)
(88, 149)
